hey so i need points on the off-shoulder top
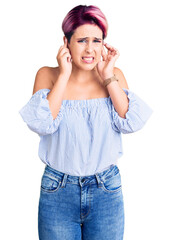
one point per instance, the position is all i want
(85, 137)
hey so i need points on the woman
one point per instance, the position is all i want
(79, 109)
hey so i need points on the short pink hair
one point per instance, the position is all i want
(83, 14)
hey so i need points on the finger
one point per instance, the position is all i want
(61, 47)
(104, 56)
(111, 49)
(63, 50)
(65, 42)
(65, 55)
(108, 46)
(116, 52)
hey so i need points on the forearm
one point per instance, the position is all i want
(119, 98)
(55, 96)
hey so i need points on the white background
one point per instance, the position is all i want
(30, 38)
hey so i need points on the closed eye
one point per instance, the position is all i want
(83, 40)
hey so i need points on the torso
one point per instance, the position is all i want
(93, 90)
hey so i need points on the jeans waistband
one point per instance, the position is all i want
(81, 180)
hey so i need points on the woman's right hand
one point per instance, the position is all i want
(64, 59)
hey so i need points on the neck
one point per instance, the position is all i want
(80, 76)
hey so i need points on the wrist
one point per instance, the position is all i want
(109, 75)
(62, 79)
(64, 75)
(107, 81)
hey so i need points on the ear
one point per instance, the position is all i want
(64, 39)
(67, 41)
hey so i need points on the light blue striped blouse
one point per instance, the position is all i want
(85, 137)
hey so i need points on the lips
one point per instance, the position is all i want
(88, 59)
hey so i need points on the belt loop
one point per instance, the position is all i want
(98, 180)
(64, 180)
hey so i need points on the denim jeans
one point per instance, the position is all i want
(81, 207)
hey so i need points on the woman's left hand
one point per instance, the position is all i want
(106, 66)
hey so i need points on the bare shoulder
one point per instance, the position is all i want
(45, 78)
(122, 80)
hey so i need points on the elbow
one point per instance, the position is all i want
(42, 127)
(123, 116)
(133, 127)
(123, 113)
(39, 131)
(128, 125)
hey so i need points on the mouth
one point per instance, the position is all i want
(88, 59)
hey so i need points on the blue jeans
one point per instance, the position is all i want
(74, 207)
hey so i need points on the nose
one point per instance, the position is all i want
(89, 47)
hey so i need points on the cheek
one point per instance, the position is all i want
(99, 50)
(76, 53)
(99, 54)
(73, 54)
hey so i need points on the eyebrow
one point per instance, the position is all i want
(87, 37)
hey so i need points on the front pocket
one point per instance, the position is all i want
(49, 183)
(112, 184)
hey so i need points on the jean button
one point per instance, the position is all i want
(83, 180)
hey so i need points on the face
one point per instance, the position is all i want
(86, 45)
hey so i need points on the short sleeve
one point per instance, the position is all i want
(137, 115)
(37, 114)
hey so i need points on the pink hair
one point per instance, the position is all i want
(83, 14)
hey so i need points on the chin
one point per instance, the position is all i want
(86, 67)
